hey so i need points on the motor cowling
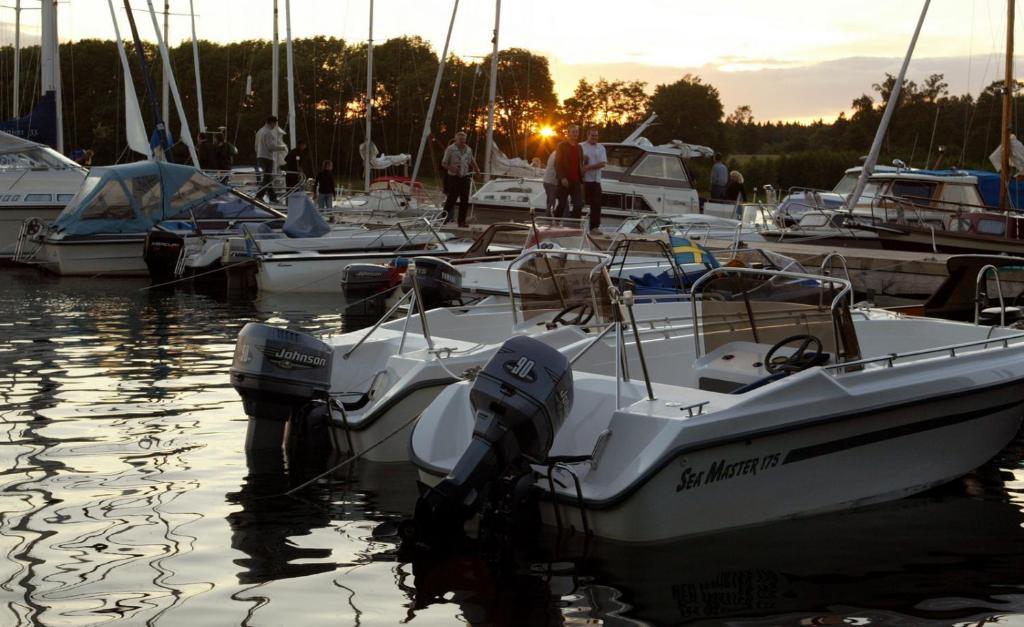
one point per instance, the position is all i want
(276, 371)
(440, 282)
(520, 399)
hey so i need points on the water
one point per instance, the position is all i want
(126, 498)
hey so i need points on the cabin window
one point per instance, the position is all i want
(64, 197)
(621, 158)
(847, 184)
(197, 187)
(991, 227)
(110, 203)
(38, 197)
(913, 189)
(661, 167)
(146, 189)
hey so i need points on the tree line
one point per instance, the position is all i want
(931, 127)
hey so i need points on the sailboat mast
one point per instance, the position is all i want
(883, 126)
(1004, 169)
(291, 71)
(433, 97)
(50, 71)
(161, 126)
(165, 93)
(369, 103)
(275, 66)
(17, 57)
(492, 92)
(195, 61)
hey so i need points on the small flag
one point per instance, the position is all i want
(686, 251)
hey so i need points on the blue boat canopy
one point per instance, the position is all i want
(133, 197)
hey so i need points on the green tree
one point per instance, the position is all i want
(688, 109)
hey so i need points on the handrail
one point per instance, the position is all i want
(951, 349)
(847, 289)
(602, 258)
(999, 290)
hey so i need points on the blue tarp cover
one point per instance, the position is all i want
(132, 197)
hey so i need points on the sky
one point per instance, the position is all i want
(796, 60)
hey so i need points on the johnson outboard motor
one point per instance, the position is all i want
(439, 281)
(521, 399)
(281, 375)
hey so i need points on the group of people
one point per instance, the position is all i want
(725, 185)
(573, 175)
(213, 152)
(272, 154)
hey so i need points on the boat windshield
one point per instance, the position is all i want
(35, 158)
(545, 280)
(847, 184)
(767, 307)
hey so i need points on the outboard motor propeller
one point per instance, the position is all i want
(521, 398)
(281, 375)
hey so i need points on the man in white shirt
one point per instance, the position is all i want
(459, 165)
(269, 149)
(551, 183)
(595, 158)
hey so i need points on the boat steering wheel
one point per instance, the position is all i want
(803, 358)
(584, 313)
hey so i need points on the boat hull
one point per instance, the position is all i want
(860, 459)
(11, 220)
(113, 257)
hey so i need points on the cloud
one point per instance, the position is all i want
(802, 93)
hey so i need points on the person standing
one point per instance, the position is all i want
(221, 154)
(204, 151)
(459, 163)
(325, 186)
(569, 170)
(734, 191)
(595, 159)
(293, 170)
(268, 146)
(719, 178)
(551, 183)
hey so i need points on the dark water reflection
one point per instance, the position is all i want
(126, 496)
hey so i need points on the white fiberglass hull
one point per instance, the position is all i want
(98, 257)
(812, 442)
(11, 220)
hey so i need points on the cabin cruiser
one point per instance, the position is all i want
(364, 385)
(103, 228)
(736, 411)
(36, 183)
(891, 200)
(640, 179)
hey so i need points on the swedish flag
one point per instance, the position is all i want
(687, 251)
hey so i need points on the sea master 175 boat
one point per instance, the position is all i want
(736, 412)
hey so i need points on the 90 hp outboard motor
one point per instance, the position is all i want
(521, 399)
(280, 375)
(440, 283)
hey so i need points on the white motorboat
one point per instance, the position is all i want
(376, 381)
(640, 179)
(735, 412)
(36, 182)
(102, 230)
(304, 234)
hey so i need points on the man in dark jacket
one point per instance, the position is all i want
(569, 170)
(293, 169)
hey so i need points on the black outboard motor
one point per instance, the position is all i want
(521, 399)
(440, 282)
(365, 287)
(281, 375)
